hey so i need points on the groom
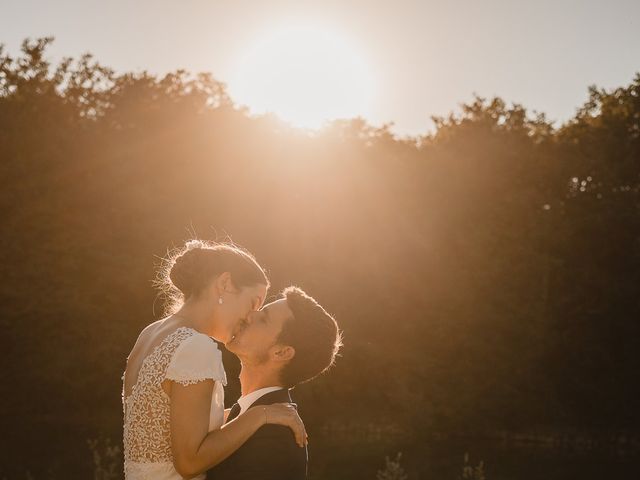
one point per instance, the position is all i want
(287, 342)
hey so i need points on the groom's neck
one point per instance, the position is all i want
(254, 378)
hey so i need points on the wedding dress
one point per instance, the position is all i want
(185, 356)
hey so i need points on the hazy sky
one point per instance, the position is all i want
(426, 56)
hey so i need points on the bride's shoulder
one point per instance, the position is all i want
(195, 341)
(144, 337)
(151, 329)
(196, 358)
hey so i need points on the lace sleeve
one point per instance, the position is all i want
(196, 359)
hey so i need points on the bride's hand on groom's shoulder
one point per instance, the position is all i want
(285, 414)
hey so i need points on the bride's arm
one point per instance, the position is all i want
(195, 449)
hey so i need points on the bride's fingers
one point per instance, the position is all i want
(305, 435)
(297, 426)
(290, 418)
(300, 432)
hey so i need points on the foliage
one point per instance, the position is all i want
(392, 470)
(107, 463)
(470, 472)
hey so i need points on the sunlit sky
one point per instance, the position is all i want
(389, 61)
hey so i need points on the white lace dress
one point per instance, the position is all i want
(184, 356)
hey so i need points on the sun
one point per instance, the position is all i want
(305, 75)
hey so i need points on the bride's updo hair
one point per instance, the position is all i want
(189, 269)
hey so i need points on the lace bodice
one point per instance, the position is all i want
(184, 356)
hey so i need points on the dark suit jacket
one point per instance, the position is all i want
(270, 454)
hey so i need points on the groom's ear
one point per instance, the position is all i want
(285, 353)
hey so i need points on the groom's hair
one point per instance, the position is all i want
(314, 335)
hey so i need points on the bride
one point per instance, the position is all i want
(172, 392)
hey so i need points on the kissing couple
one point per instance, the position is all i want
(175, 423)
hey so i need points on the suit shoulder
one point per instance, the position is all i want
(277, 438)
(278, 432)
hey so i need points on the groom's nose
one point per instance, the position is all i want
(249, 318)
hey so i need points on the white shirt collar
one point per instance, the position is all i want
(246, 401)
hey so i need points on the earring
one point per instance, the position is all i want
(219, 300)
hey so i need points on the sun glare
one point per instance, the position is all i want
(304, 75)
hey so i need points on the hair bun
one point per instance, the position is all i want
(187, 270)
(193, 244)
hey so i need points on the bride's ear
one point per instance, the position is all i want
(224, 284)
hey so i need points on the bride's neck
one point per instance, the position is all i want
(195, 315)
